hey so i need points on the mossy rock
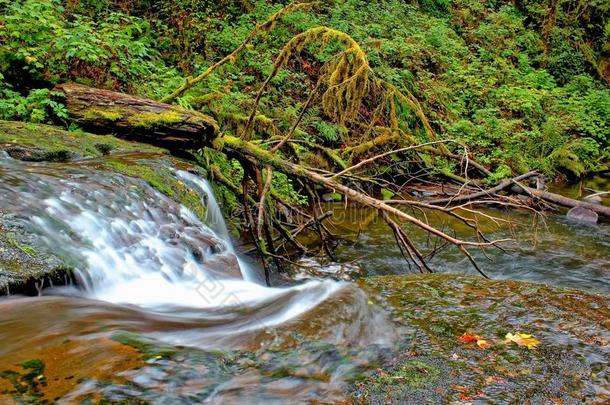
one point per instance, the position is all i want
(49, 143)
(35, 142)
(25, 265)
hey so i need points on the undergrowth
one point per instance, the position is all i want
(522, 90)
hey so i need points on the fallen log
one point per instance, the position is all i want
(522, 189)
(569, 202)
(485, 193)
(136, 118)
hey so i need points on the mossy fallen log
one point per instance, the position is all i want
(137, 118)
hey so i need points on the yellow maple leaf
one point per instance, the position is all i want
(483, 344)
(522, 339)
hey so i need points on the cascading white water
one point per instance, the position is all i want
(179, 279)
(133, 245)
(216, 220)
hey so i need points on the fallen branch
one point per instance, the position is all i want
(264, 157)
(569, 202)
(485, 193)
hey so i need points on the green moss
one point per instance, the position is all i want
(151, 120)
(26, 384)
(28, 250)
(413, 373)
(163, 180)
(108, 115)
(59, 144)
(146, 173)
(148, 349)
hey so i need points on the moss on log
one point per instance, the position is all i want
(137, 118)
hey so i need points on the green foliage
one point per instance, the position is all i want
(501, 172)
(522, 91)
(330, 132)
(36, 36)
(282, 186)
(38, 106)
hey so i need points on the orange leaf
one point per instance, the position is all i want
(468, 338)
(482, 343)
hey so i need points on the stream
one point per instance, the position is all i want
(551, 250)
(167, 311)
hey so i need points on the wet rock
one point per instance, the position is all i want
(33, 154)
(582, 214)
(24, 267)
(433, 311)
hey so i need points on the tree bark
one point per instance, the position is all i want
(569, 202)
(136, 118)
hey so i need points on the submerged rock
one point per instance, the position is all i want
(435, 312)
(582, 214)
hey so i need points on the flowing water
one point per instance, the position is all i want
(552, 250)
(160, 293)
(147, 265)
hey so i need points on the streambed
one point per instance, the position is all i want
(551, 250)
(167, 312)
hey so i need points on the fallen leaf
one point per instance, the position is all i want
(482, 343)
(522, 339)
(466, 338)
(465, 397)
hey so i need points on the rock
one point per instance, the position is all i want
(582, 214)
(33, 154)
(438, 308)
(25, 268)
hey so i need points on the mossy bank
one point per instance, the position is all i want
(24, 263)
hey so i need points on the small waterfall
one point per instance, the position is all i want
(159, 267)
(132, 245)
(216, 220)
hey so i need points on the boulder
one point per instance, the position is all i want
(582, 214)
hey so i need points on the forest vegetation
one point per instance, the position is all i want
(224, 201)
(399, 90)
